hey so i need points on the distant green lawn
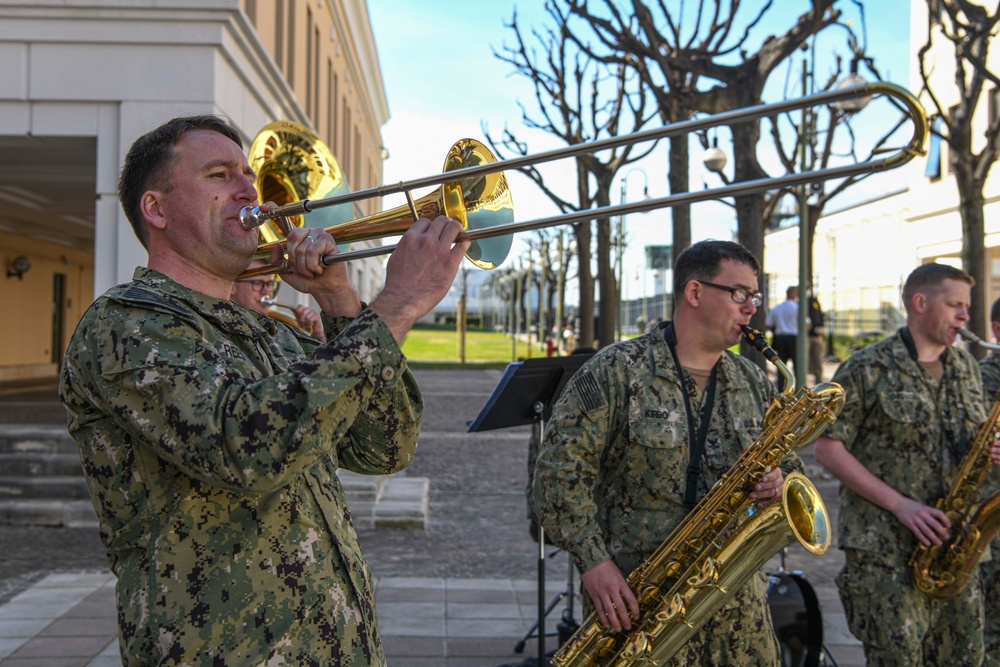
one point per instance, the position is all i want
(434, 344)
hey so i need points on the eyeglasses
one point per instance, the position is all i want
(739, 294)
(258, 285)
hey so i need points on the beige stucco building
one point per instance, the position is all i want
(82, 80)
(862, 254)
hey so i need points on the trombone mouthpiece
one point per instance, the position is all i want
(251, 217)
(267, 301)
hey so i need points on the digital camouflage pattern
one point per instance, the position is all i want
(912, 433)
(611, 474)
(210, 437)
(899, 625)
(989, 570)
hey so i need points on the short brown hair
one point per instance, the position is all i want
(147, 164)
(703, 261)
(929, 277)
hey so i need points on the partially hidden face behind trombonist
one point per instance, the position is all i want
(258, 293)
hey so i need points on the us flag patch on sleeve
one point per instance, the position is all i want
(590, 392)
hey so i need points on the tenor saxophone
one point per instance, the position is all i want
(724, 540)
(941, 571)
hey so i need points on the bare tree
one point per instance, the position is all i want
(967, 28)
(578, 100)
(698, 74)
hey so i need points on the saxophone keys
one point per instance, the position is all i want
(674, 610)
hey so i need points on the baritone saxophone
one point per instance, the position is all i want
(941, 571)
(724, 540)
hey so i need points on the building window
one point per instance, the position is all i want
(933, 171)
(290, 73)
(346, 148)
(279, 34)
(316, 61)
(357, 158)
(331, 130)
(309, 61)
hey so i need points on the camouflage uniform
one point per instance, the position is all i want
(210, 438)
(610, 478)
(989, 570)
(911, 433)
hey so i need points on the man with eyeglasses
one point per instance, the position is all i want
(643, 431)
(252, 293)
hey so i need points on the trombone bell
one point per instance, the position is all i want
(292, 163)
(478, 202)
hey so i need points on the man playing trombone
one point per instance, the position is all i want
(210, 440)
(257, 294)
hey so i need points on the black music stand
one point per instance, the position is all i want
(525, 395)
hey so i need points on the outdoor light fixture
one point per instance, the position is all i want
(714, 159)
(853, 79)
(19, 267)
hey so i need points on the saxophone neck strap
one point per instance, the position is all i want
(696, 438)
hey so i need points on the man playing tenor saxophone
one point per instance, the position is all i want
(913, 406)
(613, 479)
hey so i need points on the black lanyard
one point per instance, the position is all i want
(696, 439)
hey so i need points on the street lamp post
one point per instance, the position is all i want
(805, 234)
(621, 240)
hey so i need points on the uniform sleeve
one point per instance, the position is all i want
(850, 375)
(203, 410)
(580, 429)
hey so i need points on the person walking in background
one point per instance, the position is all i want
(211, 437)
(913, 405)
(783, 320)
(990, 569)
(624, 460)
(817, 328)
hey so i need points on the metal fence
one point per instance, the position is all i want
(855, 312)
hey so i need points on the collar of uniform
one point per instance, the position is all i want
(905, 353)
(231, 317)
(662, 363)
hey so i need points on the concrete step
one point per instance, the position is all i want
(36, 438)
(55, 487)
(47, 512)
(41, 483)
(45, 464)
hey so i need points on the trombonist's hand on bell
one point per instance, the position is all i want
(309, 320)
(419, 272)
(329, 285)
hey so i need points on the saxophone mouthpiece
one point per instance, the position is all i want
(759, 342)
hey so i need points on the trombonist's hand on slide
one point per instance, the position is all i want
(329, 285)
(419, 273)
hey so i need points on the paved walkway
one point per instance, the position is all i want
(68, 620)
(460, 593)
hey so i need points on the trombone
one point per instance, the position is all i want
(476, 187)
(290, 320)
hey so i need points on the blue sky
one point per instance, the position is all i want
(443, 83)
